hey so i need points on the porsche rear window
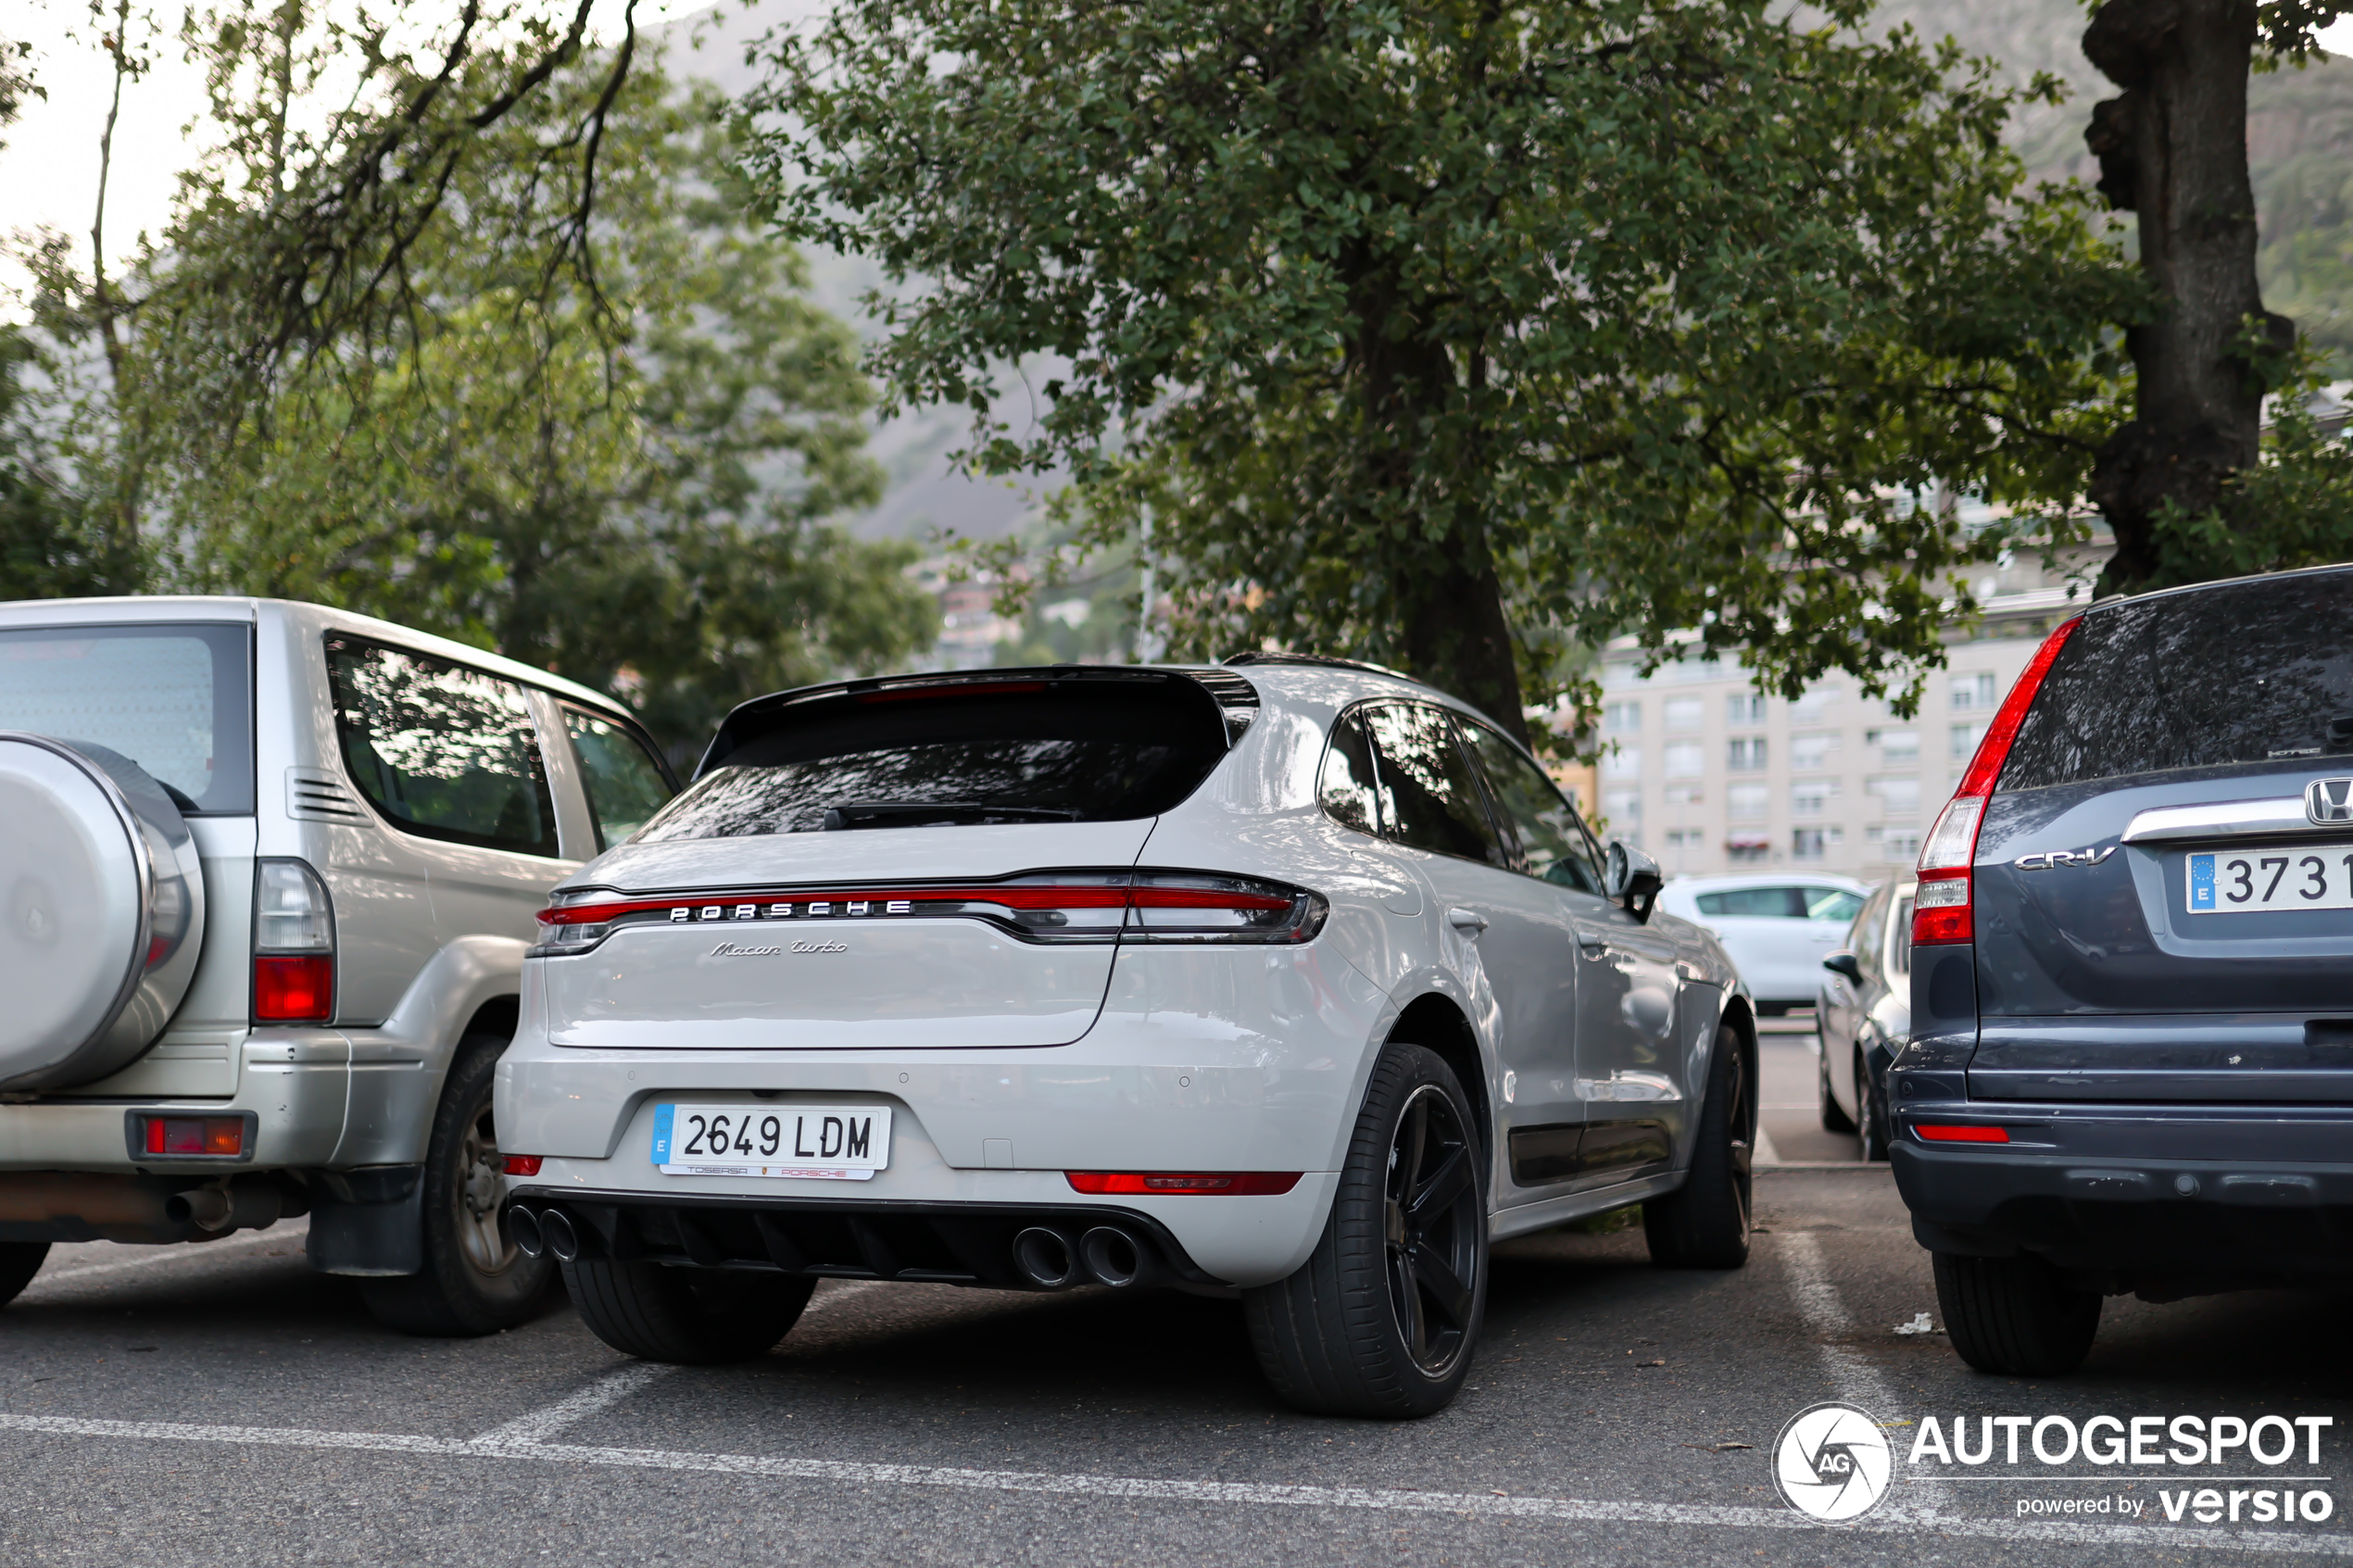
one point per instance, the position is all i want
(1027, 752)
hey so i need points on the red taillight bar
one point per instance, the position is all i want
(1947, 1133)
(1944, 908)
(1223, 1184)
(1029, 897)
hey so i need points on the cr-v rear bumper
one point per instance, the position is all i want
(2154, 1199)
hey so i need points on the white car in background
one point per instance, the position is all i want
(1778, 926)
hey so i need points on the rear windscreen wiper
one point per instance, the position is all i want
(938, 814)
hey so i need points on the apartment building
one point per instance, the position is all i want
(1709, 775)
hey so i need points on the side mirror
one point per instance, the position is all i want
(1846, 964)
(1631, 879)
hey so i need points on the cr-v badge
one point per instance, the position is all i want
(2329, 800)
(2052, 859)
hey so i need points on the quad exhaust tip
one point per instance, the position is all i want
(1044, 1257)
(556, 1228)
(1113, 1256)
(523, 1226)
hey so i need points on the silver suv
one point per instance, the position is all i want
(268, 872)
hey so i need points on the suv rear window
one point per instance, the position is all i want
(1055, 749)
(178, 700)
(2250, 673)
(1781, 903)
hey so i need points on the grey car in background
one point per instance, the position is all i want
(268, 872)
(1863, 1011)
(2131, 1066)
(1778, 927)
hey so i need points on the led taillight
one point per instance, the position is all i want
(209, 1138)
(1229, 1184)
(1942, 910)
(294, 944)
(1951, 1134)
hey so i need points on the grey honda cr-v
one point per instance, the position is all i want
(2131, 1067)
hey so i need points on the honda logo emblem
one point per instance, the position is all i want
(2329, 800)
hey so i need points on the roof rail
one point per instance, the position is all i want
(1253, 656)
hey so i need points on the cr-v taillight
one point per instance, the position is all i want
(1040, 907)
(294, 944)
(1942, 911)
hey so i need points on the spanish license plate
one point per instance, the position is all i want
(2242, 882)
(839, 1143)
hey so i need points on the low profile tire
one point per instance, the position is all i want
(688, 1317)
(20, 1261)
(1383, 1317)
(1870, 1125)
(1703, 1224)
(476, 1279)
(1834, 1119)
(2015, 1316)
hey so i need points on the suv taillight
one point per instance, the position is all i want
(1041, 907)
(294, 944)
(1942, 911)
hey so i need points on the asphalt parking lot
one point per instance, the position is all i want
(224, 1403)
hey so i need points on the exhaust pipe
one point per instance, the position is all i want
(555, 1228)
(1044, 1258)
(1114, 1257)
(238, 1206)
(523, 1226)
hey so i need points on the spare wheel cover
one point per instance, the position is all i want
(101, 911)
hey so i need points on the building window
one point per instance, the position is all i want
(1811, 797)
(1685, 838)
(1623, 807)
(1965, 739)
(1897, 847)
(1812, 844)
(1626, 762)
(1685, 761)
(1747, 755)
(1746, 802)
(1901, 797)
(1684, 795)
(1895, 745)
(1744, 708)
(1748, 849)
(1974, 693)
(1685, 713)
(1807, 753)
(1811, 707)
(1621, 718)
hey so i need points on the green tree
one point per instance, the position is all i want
(1447, 332)
(614, 461)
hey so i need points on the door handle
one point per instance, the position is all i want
(1469, 921)
(1591, 946)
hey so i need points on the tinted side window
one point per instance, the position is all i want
(1899, 949)
(440, 749)
(1767, 903)
(1550, 836)
(1863, 941)
(624, 784)
(2252, 673)
(1429, 798)
(1830, 903)
(1350, 789)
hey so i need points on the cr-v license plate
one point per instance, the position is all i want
(2269, 881)
(843, 1143)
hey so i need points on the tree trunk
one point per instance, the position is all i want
(2173, 149)
(1456, 634)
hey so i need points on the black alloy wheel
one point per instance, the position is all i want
(1383, 1317)
(1432, 1230)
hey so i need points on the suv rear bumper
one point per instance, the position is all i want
(2159, 1199)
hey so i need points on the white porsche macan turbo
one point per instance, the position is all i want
(1287, 979)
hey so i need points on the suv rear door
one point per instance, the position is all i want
(2159, 914)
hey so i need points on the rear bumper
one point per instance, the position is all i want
(2153, 1198)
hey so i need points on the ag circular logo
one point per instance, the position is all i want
(1831, 1462)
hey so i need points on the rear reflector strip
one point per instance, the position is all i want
(524, 1164)
(202, 1137)
(1223, 1184)
(1961, 1135)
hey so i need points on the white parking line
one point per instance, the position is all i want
(1855, 1380)
(1134, 1489)
(181, 1252)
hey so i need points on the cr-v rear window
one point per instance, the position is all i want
(2259, 671)
(1056, 747)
